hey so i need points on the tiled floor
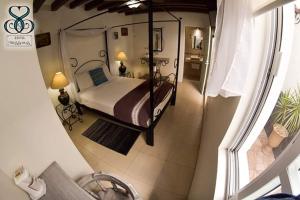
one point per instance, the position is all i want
(260, 156)
(164, 171)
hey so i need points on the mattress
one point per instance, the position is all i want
(105, 96)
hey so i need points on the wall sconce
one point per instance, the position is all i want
(297, 12)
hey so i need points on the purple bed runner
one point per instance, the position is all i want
(134, 107)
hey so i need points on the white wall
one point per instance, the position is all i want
(31, 133)
(217, 118)
(169, 43)
(170, 38)
(8, 189)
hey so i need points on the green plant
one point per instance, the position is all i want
(287, 110)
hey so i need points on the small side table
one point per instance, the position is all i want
(68, 114)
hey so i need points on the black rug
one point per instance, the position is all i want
(115, 137)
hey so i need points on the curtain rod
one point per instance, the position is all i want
(164, 9)
(136, 23)
(86, 19)
(83, 29)
(129, 24)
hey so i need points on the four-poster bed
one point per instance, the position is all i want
(160, 93)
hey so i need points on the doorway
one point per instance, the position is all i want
(197, 56)
(193, 58)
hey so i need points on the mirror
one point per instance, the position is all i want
(157, 39)
(197, 38)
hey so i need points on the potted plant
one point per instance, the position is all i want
(286, 117)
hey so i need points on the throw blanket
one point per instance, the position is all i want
(134, 107)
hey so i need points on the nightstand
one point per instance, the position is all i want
(68, 114)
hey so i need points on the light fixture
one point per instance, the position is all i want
(59, 82)
(297, 12)
(197, 32)
(133, 4)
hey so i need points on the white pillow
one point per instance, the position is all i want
(84, 80)
(90, 66)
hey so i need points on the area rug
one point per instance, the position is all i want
(113, 136)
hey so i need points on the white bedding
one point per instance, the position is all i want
(105, 96)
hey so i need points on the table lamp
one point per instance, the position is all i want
(59, 82)
(122, 57)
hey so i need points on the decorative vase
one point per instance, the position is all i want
(278, 134)
(122, 69)
(63, 98)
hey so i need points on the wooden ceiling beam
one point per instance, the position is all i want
(117, 8)
(186, 1)
(123, 7)
(77, 3)
(93, 4)
(166, 7)
(37, 4)
(142, 11)
(57, 4)
(211, 4)
(109, 4)
(183, 4)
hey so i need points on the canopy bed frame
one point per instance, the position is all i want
(154, 117)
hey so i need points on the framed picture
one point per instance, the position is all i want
(157, 39)
(116, 35)
(42, 40)
(124, 31)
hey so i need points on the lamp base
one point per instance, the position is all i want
(63, 98)
(122, 69)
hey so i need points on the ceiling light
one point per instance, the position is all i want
(133, 4)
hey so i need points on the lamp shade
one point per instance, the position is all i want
(121, 56)
(59, 81)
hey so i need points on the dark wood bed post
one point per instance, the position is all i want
(106, 46)
(150, 130)
(177, 64)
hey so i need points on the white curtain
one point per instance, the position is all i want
(65, 58)
(231, 49)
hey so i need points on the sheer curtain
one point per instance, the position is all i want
(65, 58)
(231, 49)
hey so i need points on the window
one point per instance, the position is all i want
(264, 158)
(259, 156)
(294, 175)
(270, 188)
(264, 145)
